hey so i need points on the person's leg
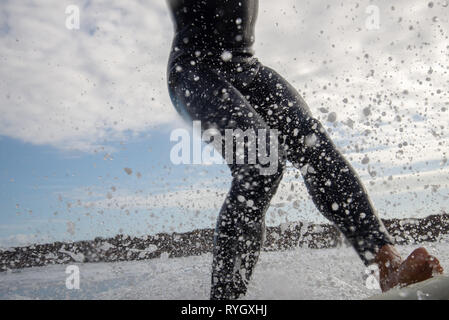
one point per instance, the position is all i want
(204, 95)
(334, 186)
(240, 230)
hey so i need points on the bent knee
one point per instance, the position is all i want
(266, 174)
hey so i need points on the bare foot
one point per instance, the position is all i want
(418, 266)
(389, 260)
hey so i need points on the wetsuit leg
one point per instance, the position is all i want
(202, 94)
(334, 186)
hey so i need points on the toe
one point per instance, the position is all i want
(434, 265)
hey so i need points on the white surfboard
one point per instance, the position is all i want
(436, 288)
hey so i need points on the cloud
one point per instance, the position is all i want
(77, 89)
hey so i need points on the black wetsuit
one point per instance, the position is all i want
(214, 77)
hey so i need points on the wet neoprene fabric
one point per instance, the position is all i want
(214, 77)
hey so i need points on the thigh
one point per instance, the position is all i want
(279, 104)
(202, 94)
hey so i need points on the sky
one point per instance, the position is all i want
(86, 118)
